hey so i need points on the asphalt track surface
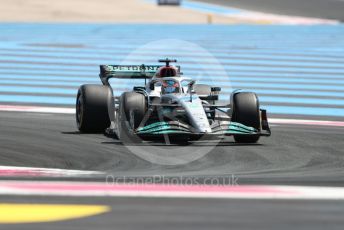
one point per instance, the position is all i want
(303, 155)
(330, 9)
(156, 214)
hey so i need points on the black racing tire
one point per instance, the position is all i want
(92, 108)
(131, 102)
(245, 110)
(202, 89)
(135, 102)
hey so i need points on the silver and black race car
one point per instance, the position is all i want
(169, 104)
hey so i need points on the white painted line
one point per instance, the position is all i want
(306, 122)
(37, 109)
(40, 172)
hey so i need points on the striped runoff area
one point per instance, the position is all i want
(297, 70)
(151, 190)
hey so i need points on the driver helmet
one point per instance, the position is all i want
(170, 86)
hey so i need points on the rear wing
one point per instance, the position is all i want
(127, 72)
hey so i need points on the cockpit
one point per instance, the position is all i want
(170, 86)
(168, 80)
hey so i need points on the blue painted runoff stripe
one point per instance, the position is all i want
(267, 99)
(235, 54)
(272, 109)
(298, 100)
(299, 94)
(231, 54)
(89, 67)
(38, 99)
(308, 66)
(205, 79)
(237, 84)
(209, 63)
(305, 110)
(240, 73)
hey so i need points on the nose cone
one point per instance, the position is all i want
(197, 115)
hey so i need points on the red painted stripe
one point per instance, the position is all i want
(103, 187)
(16, 172)
(85, 189)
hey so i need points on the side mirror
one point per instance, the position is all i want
(215, 89)
(190, 89)
(190, 86)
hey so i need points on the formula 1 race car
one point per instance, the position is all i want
(168, 105)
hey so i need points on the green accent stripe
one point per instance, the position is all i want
(237, 129)
(171, 132)
(153, 125)
(241, 126)
(238, 132)
(155, 129)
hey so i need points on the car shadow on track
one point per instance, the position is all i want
(73, 132)
(179, 144)
(79, 133)
(162, 143)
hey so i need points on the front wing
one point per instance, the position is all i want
(174, 127)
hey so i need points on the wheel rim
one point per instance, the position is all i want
(79, 111)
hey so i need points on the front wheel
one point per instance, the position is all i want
(133, 108)
(245, 110)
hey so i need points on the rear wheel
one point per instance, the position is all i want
(245, 110)
(92, 108)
